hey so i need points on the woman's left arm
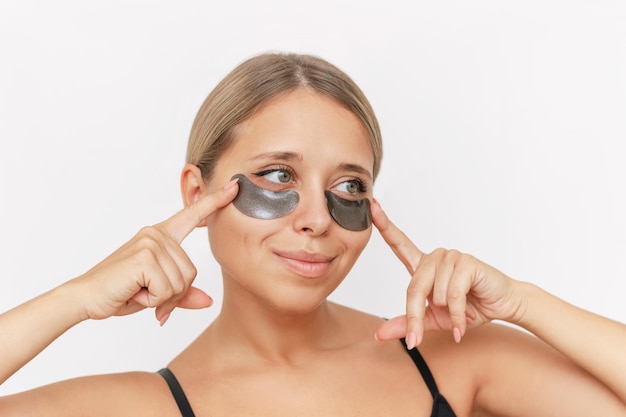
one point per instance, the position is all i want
(452, 291)
(593, 342)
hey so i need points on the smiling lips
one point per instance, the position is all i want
(308, 265)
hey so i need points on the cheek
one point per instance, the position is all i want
(224, 235)
(356, 241)
(364, 238)
(234, 236)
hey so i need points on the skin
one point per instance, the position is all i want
(278, 347)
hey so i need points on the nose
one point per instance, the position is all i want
(312, 216)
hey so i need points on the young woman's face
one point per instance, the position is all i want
(305, 142)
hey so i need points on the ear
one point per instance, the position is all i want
(192, 186)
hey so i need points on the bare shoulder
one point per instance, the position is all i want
(501, 370)
(479, 348)
(459, 368)
(462, 370)
(486, 351)
(132, 393)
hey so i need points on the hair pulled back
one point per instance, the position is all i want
(256, 81)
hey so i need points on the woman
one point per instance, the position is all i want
(282, 159)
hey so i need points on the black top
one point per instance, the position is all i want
(441, 408)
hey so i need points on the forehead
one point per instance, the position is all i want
(308, 123)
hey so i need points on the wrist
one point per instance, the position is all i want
(529, 298)
(68, 297)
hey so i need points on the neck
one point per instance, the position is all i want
(265, 330)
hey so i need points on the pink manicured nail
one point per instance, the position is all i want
(411, 340)
(231, 184)
(457, 334)
(164, 319)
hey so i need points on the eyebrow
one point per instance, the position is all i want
(355, 168)
(284, 156)
(290, 156)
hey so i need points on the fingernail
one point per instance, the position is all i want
(376, 337)
(411, 340)
(457, 334)
(164, 319)
(231, 184)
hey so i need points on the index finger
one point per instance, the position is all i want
(182, 223)
(400, 244)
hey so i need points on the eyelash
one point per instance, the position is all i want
(274, 169)
(361, 184)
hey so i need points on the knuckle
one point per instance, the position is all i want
(452, 254)
(178, 285)
(165, 294)
(414, 288)
(439, 252)
(440, 302)
(149, 242)
(412, 319)
(146, 254)
(439, 299)
(457, 315)
(190, 271)
(455, 293)
(467, 259)
(150, 232)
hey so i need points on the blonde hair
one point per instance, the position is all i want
(258, 80)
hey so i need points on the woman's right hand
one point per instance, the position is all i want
(152, 269)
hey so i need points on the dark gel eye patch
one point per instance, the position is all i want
(351, 215)
(260, 203)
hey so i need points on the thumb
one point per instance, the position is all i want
(396, 328)
(392, 329)
(194, 299)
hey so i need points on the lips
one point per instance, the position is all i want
(306, 264)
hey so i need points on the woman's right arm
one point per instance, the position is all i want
(27, 329)
(150, 270)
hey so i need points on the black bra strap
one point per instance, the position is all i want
(423, 368)
(177, 392)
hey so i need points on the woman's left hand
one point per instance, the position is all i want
(449, 290)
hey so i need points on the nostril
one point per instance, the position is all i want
(312, 216)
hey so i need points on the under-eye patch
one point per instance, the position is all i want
(349, 214)
(260, 203)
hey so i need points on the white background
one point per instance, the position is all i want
(504, 124)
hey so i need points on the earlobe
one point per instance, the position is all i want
(192, 186)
